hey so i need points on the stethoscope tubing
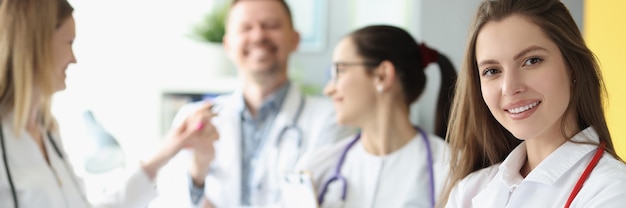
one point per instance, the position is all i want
(6, 168)
(295, 127)
(6, 165)
(429, 156)
(338, 176)
(299, 134)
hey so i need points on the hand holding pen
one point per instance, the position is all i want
(196, 133)
(202, 146)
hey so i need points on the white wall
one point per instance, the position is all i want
(442, 24)
(130, 51)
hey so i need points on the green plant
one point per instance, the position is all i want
(212, 27)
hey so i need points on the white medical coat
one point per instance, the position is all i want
(550, 183)
(36, 182)
(223, 184)
(399, 179)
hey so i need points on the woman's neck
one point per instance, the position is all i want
(539, 148)
(33, 123)
(33, 128)
(388, 130)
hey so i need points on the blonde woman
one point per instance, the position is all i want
(36, 38)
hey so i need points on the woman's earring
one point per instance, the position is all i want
(379, 88)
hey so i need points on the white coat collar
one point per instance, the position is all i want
(547, 172)
(552, 167)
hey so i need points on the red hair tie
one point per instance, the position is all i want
(428, 55)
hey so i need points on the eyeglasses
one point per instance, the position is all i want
(337, 68)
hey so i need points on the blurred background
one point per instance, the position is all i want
(138, 61)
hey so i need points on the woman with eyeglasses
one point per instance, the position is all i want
(378, 72)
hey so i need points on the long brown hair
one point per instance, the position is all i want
(26, 31)
(476, 139)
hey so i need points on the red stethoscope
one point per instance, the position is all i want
(592, 164)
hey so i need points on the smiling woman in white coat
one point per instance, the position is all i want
(378, 72)
(528, 127)
(36, 38)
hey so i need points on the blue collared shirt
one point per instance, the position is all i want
(254, 131)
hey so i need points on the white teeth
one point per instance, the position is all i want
(258, 52)
(523, 108)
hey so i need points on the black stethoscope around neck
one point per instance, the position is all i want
(8, 172)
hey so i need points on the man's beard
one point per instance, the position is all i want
(263, 75)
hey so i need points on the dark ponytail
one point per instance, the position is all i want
(381, 42)
(446, 91)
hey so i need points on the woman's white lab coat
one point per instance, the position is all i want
(41, 185)
(550, 183)
(399, 179)
(223, 184)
